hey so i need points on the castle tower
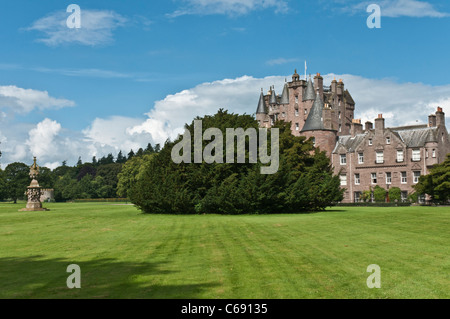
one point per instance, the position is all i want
(323, 134)
(261, 112)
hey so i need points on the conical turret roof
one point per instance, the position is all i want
(309, 92)
(273, 97)
(261, 105)
(285, 95)
(314, 120)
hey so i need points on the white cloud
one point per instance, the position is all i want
(41, 141)
(400, 104)
(25, 100)
(404, 8)
(228, 7)
(97, 28)
(113, 134)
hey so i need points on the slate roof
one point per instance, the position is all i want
(262, 108)
(273, 97)
(412, 136)
(350, 143)
(285, 95)
(309, 92)
(417, 137)
(314, 120)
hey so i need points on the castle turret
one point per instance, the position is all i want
(314, 120)
(273, 97)
(324, 137)
(285, 95)
(261, 111)
(309, 95)
(262, 108)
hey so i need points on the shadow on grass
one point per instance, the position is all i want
(37, 277)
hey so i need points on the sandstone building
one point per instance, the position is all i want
(363, 157)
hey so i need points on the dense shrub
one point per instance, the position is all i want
(303, 182)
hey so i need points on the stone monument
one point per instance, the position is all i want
(34, 191)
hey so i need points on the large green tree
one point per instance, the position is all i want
(303, 182)
(17, 180)
(437, 182)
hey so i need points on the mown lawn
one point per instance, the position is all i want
(125, 254)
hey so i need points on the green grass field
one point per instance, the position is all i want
(125, 254)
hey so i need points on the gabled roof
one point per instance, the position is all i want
(314, 120)
(417, 137)
(411, 136)
(285, 95)
(309, 92)
(262, 108)
(350, 143)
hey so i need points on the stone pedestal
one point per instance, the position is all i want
(34, 192)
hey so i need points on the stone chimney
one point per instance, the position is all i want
(340, 87)
(432, 120)
(440, 117)
(369, 126)
(356, 127)
(318, 83)
(379, 124)
(333, 86)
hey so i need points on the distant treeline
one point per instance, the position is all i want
(89, 180)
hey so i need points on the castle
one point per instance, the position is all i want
(362, 157)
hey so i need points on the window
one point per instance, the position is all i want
(416, 176)
(343, 180)
(296, 99)
(283, 114)
(434, 153)
(343, 159)
(404, 178)
(306, 111)
(297, 127)
(400, 156)
(360, 158)
(374, 178)
(388, 178)
(416, 155)
(370, 141)
(340, 128)
(388, 140)
(339, 115)
(314, 141)
(357, 179)
(380, 157)
(296, 112)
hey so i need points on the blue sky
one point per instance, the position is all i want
(137, 70)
